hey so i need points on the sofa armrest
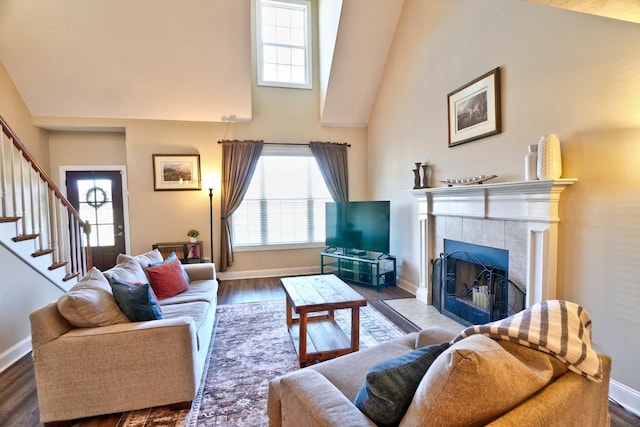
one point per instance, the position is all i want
(47, 324)
(308, 398)
(569, 400)
(201, 271)
(433, 335)
(154, 362)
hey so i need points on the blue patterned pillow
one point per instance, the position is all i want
(390, 385)
(170, 258)
(137, 302)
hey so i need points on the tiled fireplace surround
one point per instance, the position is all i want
(521, 217)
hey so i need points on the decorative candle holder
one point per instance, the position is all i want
(426, 175)
(416, 175)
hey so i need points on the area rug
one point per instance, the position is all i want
(250, 347)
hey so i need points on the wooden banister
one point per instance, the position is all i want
(63, 230)
(25, 153)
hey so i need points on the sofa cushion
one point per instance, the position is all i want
(560, 328)
(137, 302)
(127, 270)
(143, 259)
(171, 257)
(348, 372)
(390, 385)
(198, 311)
(90, 303)
(167, 279)
(199, 290)
(471, 383)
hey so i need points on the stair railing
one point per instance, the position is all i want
(42, 214)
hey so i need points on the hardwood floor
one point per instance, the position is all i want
(19, 402)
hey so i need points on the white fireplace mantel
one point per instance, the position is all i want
(532, 204)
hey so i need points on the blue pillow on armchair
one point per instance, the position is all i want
(390, 385)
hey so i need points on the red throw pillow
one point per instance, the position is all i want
(167, 279)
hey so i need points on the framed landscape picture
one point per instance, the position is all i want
(474, 109)
(176, 172)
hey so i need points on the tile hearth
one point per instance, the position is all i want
(423, 315)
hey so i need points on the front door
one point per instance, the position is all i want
(97, 196)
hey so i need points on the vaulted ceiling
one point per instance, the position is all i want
(191, 59)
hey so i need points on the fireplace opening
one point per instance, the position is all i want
(471, 284)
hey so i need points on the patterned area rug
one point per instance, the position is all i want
(251, 346)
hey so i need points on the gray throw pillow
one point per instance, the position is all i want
(390, 385)
(137, 302)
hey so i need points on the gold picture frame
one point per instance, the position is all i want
(474, 109)
(176, 172)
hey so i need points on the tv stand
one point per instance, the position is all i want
(356, 252)
(378, 272)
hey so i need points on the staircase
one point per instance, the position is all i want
(37, 223)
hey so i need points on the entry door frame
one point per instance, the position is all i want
(125, 193)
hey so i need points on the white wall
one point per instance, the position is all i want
(564, 72)
(23, 291)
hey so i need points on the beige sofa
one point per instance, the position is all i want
(118, 365)
(476, 381)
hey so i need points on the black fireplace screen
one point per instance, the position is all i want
(473, 292)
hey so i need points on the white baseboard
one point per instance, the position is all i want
(625, 396)
(296, 271)
(275, 272)
(407, 286)
(15, 353)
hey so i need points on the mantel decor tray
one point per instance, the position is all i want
(480, 179)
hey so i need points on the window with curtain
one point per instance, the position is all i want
(283, 43)
(285, 202)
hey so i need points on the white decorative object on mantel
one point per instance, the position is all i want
(524, 211)
(531, 164)
(549, 157)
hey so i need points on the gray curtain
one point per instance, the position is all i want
(239, 160)
(332, 160)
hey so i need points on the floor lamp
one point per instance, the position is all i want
(211, 221)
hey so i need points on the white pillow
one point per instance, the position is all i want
(90, 303)
(144, 260)
(127, 270)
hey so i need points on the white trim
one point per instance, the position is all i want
(306, 4)
(15, 353)
(625, 396)
(125, 192)
(274, 272)
(412, 288)
(279, 247)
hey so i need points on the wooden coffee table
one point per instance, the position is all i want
(319, 337)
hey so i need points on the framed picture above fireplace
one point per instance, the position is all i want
(474, 109)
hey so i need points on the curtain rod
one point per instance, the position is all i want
(303, 144)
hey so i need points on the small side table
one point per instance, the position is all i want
(187, 252)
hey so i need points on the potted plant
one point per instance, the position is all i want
(193, 234)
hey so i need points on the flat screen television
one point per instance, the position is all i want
(360, 226)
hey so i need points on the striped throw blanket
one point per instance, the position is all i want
(559, 328)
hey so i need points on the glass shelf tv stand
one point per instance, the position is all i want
(374, 271)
